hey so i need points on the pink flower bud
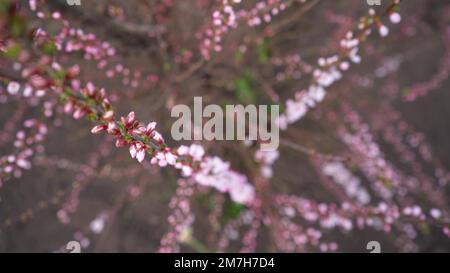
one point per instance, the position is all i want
(98, 129)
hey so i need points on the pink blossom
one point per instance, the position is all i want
(435, 213)
(97, 225)
(151, 126)
(13, 88)
(395, 17)
(384, 31)
(140, 155)
(25, 164)
(133, 151)
(243, 193)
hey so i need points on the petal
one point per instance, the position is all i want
(108, 115)
(131, 117)
(151, 126)
(111, 127)
(90, 87)
(171, 158)
(133, 151)
(140, 155)
(78, 114)
(158, 137)
(182, 150)
(162, 163)
(186, 171)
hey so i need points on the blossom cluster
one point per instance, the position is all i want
(180, 220)
(223, 19)
(207, 171)
(385, 179)
(412, 148)
(263, 11)
(422, 89)
(142, 140)
(330, 69)
(296, 223)
(295, 67)
(71, 40)
(351, 184)
(26, 145)
(349, 216)
(217, 173)
(227, 17)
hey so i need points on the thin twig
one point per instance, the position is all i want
(11, 76)
(311, 152)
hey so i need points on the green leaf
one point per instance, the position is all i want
(167, 67)
(18, 26)
(13, 51)
(49, 48)
(63, 98)
(92, 117)
(406, 91)
(397, 8)
(232, 211)
(425, 229)
(4, 6)
(205, 200)
(263, 50)
(238, 56)
(245, 93)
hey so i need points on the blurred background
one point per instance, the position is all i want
(80, 187)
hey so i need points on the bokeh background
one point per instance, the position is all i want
(159, 38)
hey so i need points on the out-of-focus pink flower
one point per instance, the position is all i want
(13, 88)
(98, 129)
